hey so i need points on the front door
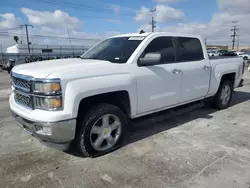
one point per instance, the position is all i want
(159, 86)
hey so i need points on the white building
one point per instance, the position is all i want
(47, 49)
(20, 52)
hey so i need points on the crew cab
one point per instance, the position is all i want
(87, 102)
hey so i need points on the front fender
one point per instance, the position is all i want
(76, 90)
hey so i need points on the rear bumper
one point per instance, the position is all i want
(57, 135)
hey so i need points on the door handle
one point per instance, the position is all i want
(206, 67)
(176, 71)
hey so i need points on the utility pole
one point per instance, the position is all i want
(205, 41)
(153, 22)
(238, 42)
(2, 53)
(27, 34)
(235, 29)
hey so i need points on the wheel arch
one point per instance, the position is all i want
(120, 99)
(227, 76)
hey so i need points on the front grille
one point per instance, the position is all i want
(23, 100)
(21, 84)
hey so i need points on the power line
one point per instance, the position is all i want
(90, 17)
(235, 29)
(47, 36)
(14, 28)
(27, 34)
(153, 22)
(85, 7)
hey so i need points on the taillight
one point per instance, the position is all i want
(243, 67)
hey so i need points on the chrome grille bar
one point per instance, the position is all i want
(21, 84)
(23, 99)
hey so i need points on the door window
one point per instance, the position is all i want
(189, 49)
(164, 46)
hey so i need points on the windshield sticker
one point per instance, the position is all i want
(136, 38)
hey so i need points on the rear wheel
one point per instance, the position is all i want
(245, 58)
(101, 130)
(224, 95)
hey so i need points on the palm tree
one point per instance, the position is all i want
(16, 39)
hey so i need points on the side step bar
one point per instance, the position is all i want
(161, 116)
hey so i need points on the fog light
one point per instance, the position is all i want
(48, 103)
(43, 130)
(38, 127)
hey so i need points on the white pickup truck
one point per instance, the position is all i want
(87, 102)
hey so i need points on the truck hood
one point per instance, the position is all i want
(45, 68)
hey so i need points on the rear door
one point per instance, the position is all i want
(195, 68)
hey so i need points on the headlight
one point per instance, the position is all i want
(48, 94)
(47, 87)
(48, 103)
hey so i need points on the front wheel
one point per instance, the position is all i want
(224, 95)
(101, 130)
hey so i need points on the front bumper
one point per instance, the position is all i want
(53, 134)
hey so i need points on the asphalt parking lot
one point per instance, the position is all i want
(202, 148)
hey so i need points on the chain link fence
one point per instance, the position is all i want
(41, 54)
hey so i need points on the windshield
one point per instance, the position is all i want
(115, 50)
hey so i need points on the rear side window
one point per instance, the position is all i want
(189, 49)
(164, 46)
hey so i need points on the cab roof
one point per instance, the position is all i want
(156, 33)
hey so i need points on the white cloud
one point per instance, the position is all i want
(9, 20)
(56, 19)
(218, 29)
(47, 24)
(162, 14)
(235, 6)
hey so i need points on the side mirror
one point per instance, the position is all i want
(150, 59)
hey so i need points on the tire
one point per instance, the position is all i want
(85, 139)
(245, 58)
(217, 101)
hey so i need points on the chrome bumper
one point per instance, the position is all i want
(53, 134)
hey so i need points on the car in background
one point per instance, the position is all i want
(230, 53)
(222, 52)
(212, 53)
(245, 55)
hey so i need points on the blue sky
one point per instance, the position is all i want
(212, 19)
(97, 20)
